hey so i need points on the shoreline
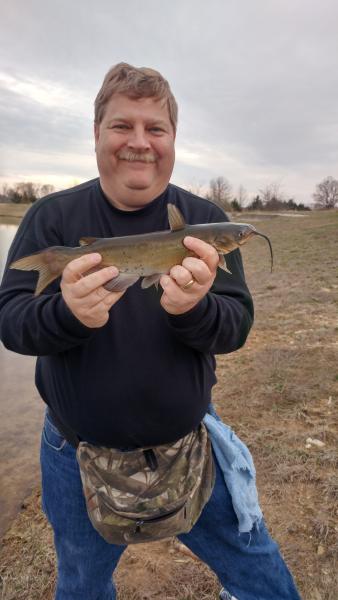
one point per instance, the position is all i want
(13, 211)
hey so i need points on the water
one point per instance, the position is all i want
(21, 418)
(7, 233)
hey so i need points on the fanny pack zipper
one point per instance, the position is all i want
(147, 519)
(162, 518)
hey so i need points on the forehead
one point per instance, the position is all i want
(120, 106)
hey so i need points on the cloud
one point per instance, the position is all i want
(256, 83)
(47, 93)
(31, 119)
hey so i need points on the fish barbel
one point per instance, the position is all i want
(147, 255)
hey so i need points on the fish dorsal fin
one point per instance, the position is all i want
(176, 219)
(86, 241)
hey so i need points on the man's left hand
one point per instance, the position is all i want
(188, 283)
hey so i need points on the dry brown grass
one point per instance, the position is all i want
(276, 392)
(13, 211)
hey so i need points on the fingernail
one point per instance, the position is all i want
(95, 257)
(164, 281)
(113, 271)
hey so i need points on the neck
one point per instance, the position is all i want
(132, 199)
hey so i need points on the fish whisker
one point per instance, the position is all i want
(270, 246)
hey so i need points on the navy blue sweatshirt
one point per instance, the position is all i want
(144, 378)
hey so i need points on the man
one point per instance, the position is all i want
(133, 368)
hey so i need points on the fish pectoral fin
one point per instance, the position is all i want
(222, 264)
(176, 219)
(86, 241)
(151, 280)
(121, 282)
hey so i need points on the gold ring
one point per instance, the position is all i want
(188, 285)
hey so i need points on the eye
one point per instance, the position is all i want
(119, 126)
(156, 129)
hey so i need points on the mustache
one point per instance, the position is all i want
(141, 157)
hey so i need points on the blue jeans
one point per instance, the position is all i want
(249, 566)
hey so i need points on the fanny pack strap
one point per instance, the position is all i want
(69, 435)
(72, 438)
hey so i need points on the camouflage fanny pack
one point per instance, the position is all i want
(149, 493)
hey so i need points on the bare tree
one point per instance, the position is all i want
(11, 193)
(45, 189)
(256, 204)
(242, 196)
(26, 192)
(5, 191)
(326, 194)
(195, 188)
(220, 193)
(272, 196)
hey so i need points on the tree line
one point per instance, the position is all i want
(270, 198)
(25, 192)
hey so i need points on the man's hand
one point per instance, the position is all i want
(84, 295)
(188, 283)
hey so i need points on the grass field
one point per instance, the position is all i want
(14, 211)
(276, 392)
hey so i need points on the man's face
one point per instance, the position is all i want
(135, 150)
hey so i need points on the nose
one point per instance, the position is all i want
(138, 139)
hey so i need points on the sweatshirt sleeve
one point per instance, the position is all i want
(221, 322)
(44, 324)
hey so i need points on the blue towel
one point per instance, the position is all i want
(238, 469)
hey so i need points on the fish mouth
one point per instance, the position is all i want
(255, 232)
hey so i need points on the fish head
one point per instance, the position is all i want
(235, 235)
(244, 233)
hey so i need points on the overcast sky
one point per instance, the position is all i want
(256, 82)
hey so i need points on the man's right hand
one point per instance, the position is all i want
(85, 295)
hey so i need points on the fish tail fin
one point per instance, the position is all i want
(49, 263)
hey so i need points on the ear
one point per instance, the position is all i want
(96, 132)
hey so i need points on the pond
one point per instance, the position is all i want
(7, 233)
(22, 413)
